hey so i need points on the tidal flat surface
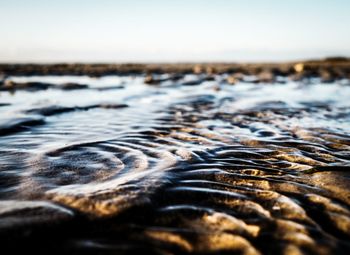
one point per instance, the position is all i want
(190, 164)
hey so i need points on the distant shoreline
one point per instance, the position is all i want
(336, 67)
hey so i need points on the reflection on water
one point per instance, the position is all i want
(197, 167)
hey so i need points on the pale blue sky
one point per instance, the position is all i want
(181, 30)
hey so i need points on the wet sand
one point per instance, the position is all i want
(175, 159)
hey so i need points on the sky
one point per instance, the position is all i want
(172, 30)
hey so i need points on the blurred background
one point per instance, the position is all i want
(171, 31)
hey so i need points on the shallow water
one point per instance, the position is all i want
(122, 166)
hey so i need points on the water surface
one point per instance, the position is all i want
(122, 166)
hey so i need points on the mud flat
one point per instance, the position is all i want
(175, 158)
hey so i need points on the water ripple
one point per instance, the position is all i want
(174, 168)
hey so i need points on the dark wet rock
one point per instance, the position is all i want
(19, 123)
(4, 104)
(29, 86)
(73, 86)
